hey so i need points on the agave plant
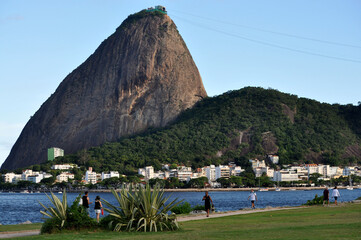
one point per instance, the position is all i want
(142, 210)
(59, 209)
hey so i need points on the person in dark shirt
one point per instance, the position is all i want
(207, 202)
(326, 194)
(86, 203)
(98, 207)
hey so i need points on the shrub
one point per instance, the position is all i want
(61, 217)
(316, 201)
(199, 207)
(142, 210)
(183, 208)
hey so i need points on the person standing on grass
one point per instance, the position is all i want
(335, 194)
(86, 203)
(207, 202)
(253, 197)
(98, 207)
(326, 193)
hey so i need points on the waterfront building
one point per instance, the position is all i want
(236, 170)
(90, 176)
(211, 173)
(184, 173)
(285, 176)
(12, 177)
(223, 171)
(55, 152)
(64, 177)
(110, 174)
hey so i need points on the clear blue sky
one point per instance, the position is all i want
(311, 48)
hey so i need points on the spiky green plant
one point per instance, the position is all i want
(142, 210)
(58, 211)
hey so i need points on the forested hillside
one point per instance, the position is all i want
(238, 125)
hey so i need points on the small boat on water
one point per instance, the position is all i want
(263, 190)
(292, 189)
(277, 189)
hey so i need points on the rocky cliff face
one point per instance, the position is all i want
(141, 76)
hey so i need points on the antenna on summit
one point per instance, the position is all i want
(158, 8)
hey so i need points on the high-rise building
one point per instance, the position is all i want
(54, 152)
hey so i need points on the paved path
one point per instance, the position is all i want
(180, 219)
(19, 233)
(230, 213)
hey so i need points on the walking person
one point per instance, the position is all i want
(98, 207)
(253, 197)
(207, 202)
(335, 194)
(326, 193)
(86, 202)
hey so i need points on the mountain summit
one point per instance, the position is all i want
(141, 76)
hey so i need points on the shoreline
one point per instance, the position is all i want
(226, 189)
(196, 189)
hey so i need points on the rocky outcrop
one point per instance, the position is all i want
(141, 76)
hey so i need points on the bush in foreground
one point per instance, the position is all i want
(59, 216)
(142, 210)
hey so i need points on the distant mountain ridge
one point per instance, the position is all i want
(238, 125)
(141, 76)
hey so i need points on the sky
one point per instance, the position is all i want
(310, 48)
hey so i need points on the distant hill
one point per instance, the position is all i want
(238, 125)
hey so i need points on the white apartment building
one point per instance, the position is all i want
(257, 163)
(223, 171)
(109, 175)
(211, 173)
(236, 171)
(184, 173)
(349, 171)
(12, 177)
(336, 171)
(64, 177)
(90, 176)
(63, 166)
(147, 172)
(285, 176)
(274, 159)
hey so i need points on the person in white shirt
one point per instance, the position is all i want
(253, 197)
(335, 194)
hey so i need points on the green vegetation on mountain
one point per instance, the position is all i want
(267, 122)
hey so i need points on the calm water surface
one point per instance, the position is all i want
(20, 207)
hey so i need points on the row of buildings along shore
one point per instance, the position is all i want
(288, 173)
(183, 173)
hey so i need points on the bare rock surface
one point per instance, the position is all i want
(142, 76)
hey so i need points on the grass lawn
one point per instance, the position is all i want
(342, 222)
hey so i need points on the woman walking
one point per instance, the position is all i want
(98, 207)
(207, 202)
(335, 194)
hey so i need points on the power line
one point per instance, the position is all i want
(273, 32)
(268, 44)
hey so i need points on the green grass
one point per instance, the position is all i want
(343, 222)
